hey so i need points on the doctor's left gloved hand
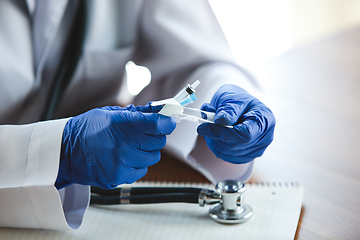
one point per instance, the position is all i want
(110, 146)
(253, 125)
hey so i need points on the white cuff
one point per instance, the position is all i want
(28, 170)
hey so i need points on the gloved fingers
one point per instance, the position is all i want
(229, 94)
(148, 142)
(232, 155)
(229, 113)
(231, 136)
(119, 173)
(124, 176)
(235, 149)
(150, 123)
(135, 158)
(248, 130)
(132, 175)
(212, 131)
(147, 108)
(111, 108)
(220, 147)
(208, 107)
(234, 159)
(217, 146)
(100, 149)
(259, 123)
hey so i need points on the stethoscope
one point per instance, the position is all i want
(227, 199)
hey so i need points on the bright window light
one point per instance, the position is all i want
(138, 77)
(256, 30)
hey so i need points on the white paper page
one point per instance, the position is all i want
(276, 213)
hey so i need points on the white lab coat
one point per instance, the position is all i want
(178, 40)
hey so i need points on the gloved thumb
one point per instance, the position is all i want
(146, 109)
(150, 123)
(228, 114)
(208, 107)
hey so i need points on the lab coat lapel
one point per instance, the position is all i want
(46, 20)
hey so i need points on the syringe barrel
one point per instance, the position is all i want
(181, 95)
(186, 91)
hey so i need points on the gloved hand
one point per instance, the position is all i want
(253, 125)
(109, 146)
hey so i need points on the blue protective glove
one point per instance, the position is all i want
(253, 123)
(109, 146)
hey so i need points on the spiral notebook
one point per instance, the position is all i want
(276, 209)
(276, 214)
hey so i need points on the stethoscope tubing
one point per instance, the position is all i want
(144, 195)
(227, 199)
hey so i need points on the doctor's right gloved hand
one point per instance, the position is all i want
(110, 146)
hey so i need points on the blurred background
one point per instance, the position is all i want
(258, 30)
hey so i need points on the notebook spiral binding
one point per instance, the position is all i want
(210, 185)
(273, 184)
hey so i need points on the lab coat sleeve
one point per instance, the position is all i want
(181, 41)
(29, 162)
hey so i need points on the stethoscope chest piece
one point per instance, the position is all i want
(230, 210)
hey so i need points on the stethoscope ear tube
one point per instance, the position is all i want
(142, 195)
(143, 190)
(146, 199)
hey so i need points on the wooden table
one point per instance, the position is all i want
(314, 92)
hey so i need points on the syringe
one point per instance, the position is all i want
(175, 107)
(187, 94)
(196, 115)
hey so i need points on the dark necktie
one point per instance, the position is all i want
(69, 57)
